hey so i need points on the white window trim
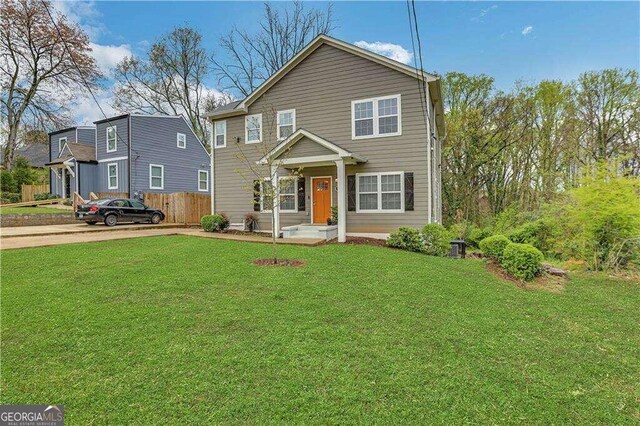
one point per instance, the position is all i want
(246, 129)
(295, 190)
(61, 145)
(376, 117)
(206, 181)
(379, 186)
(293, 115)
(215, 134)
(109, 176)
(115, 130)
(151, 166)
(184, 146)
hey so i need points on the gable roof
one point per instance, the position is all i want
(82, 153)
(300, 134)
(36, 154)
(433, 81)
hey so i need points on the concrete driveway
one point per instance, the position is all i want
(75, 228)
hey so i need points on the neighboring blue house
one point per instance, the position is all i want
(131, 154)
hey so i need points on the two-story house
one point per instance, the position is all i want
(129, 154)
(356, 130)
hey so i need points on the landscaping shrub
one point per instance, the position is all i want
(406, 238)
(8, 183)
(436, 239)
(494, 246)
(538, 233)
(10, 197)
(461, 229)
(523, 261)
(44, 196)
(478, 234)
(214, 222)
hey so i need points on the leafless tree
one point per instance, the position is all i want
(265, 173)
(282, 33)
(44, 63)
(170, 80)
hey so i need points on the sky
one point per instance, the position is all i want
(510, 41)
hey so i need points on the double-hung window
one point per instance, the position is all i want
(156, 176)
(203, 180)
(61, 143)
(376, 117)
(112, 139)
(182, 140)
(112, 175)
(253, 128)
(220, 134)
(286, 123)
(287, 191)
(380, 192)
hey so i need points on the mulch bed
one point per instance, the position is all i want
(281, 262)
(363, 241)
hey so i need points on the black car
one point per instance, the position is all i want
(111, 211)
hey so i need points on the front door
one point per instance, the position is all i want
(321, 199)
(67, 183)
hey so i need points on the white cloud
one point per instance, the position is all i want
(107, 57)
(484, 12)
(390, 50)
(527, 30)
(85, 111)
(83, 13)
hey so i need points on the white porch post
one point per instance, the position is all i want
(342, 201)
(212, 178)
(276, 200)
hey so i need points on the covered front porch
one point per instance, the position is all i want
(323, 163)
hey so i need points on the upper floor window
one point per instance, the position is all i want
(182, 140)
(220, 134)
(376, 117)
(203, 180)
(253, 128)
(286, 123)
(156, 176)
(112, 136)
(61, 143)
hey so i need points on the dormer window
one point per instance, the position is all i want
(376, 117)
(112, 135)
(182, 140)
(61, 143)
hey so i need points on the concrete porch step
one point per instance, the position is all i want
(305, 230)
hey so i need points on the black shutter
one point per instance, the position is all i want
(302, 196)
(408, 191)
(256, 195)
(351, 193)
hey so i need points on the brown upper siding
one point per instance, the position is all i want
(321, 89)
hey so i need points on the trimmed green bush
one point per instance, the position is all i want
(478, 234)
(494, 246)
(437, 239)
(44, 196)
(214, 222)
(406, 238)
(523, 261)
(538, 233)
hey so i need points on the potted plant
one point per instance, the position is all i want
(250, 222)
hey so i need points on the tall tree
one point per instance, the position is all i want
(169, 80)
(253, 57)
(44, 63)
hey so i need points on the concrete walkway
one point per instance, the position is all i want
(74, 228)
(70, 234)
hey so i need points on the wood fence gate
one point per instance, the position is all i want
(180, 207)
(28, 192)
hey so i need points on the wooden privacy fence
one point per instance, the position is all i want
(28, 192)
(180, 207)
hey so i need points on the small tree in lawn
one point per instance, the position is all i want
(266, 172)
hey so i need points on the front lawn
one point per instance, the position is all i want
(32, 210)
(187, 330)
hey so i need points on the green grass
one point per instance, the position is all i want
(32, 210)
(186, 330)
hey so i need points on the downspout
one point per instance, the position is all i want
(130, 177)
(212, 171)
(429, 171)
(50, 171)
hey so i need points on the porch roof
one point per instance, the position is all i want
(80, 152)
(283, 148)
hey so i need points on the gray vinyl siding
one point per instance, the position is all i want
(321, 89)
(122, 139)
(87, 136)
(87, 179)
(307, 148)
(102, 177)
(154, 141)
(56, 185)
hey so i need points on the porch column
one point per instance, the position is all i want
(276, 200)
(342, 201)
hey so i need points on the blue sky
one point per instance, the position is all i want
(510, 41)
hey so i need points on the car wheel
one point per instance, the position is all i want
(91, 223)
(111, 220)
(156, 218)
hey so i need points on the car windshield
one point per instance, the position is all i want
(99, 202)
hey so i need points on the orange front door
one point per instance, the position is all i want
(321, 199)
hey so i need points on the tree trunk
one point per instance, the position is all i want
(10, 148)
